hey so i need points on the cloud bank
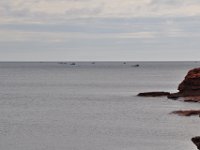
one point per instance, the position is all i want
(80, 27)
(51, 10)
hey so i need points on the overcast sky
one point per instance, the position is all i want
(53, 30)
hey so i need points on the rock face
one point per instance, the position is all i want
(190, 86)
(189, 89)
(196, 141)
(154, 94)
(192, 99)
(187, 112)
(191, 81)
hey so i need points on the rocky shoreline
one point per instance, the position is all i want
(186, 112)
(154, 94)
(196, 141)
(188, 91)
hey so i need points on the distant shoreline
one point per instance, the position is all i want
(96, 61)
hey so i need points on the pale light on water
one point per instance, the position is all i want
(52, 106)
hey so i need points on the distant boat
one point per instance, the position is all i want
(124, 63)
(93, 62)
(137, 65)
(73, 64)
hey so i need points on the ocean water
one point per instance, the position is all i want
(52, 106)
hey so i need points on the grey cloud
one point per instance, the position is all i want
(85, 11)
(84, 28)
(117, 25)
(166, 2)
(8, 10)
(27, 10)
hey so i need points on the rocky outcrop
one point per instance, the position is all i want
(189, 91)
(192, 99)
(189, 87)
(191, 81)
(154, 94)
(187, 112)
(196, 141)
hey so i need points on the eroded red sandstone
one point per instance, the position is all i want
(187, 112)
(189, 87)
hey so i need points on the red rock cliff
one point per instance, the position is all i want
(190, 86)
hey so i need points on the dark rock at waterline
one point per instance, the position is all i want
(187, 112)
(196, 141)
(173, 96)
(154, 94)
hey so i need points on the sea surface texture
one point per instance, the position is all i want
(93, 106)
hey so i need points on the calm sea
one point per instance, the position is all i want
(93, 106)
